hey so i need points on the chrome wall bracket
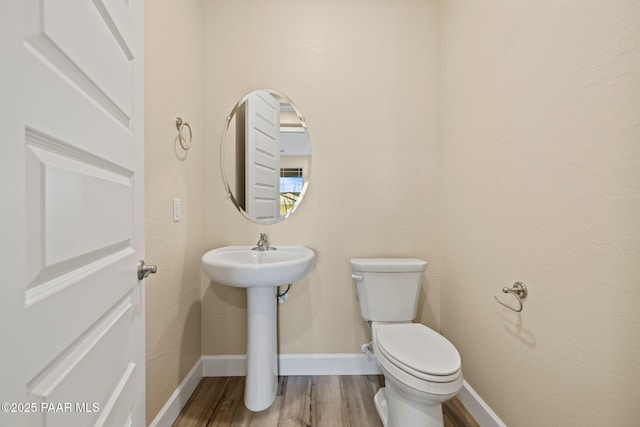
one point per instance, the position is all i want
(519, 291)
(185, 143)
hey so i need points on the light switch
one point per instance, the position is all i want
(177, 210)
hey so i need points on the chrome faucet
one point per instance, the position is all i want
(263, 243)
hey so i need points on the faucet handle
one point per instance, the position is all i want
(263, 243)
(264, 240)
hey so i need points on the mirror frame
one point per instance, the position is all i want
(305, 176)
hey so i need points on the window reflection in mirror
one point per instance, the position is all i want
(291, 183)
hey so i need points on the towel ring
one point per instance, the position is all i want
(518, 290)
(184, 143)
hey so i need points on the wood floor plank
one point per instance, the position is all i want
(296, 410)
(309, 401)
(358, 395)
(199, 408)
(458, 414)
(327, 408)
(268, 417)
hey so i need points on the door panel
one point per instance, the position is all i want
(74, 370)
(52, 30)
(81, 206)
(73, 311)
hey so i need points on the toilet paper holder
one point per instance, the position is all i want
(519, 291)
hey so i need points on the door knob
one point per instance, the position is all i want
(145, 270)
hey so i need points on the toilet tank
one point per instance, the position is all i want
(388, 288)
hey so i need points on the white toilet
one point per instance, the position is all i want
(421, 368)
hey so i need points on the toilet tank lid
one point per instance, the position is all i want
(388, 265)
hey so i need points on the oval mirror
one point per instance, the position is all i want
(265, 156)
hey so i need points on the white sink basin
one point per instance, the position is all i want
(260, 273)
(242, 267)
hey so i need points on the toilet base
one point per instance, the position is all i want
(380, 400)
(395, 410)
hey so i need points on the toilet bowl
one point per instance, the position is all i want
(422, 369)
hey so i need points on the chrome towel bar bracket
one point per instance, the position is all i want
(185, 143)
(519, 291)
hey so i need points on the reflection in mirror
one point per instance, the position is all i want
(265, 156)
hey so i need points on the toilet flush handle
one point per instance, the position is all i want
(356, 277)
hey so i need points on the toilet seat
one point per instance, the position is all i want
(418, 351)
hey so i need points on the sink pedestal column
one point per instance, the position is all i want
(261, 383)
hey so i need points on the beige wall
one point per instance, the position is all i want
(540, 161)
(173, 86)
(366, 76)
(541, 172)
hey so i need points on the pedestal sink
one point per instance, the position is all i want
(260, 272)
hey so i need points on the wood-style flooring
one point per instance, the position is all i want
(317, 401)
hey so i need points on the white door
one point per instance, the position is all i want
(262, 159)
(71, 180)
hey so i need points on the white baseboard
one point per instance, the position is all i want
(301, 364)
(179, 398)
(294, 364)
(328, 364)
(477, 407)
(232, 365)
